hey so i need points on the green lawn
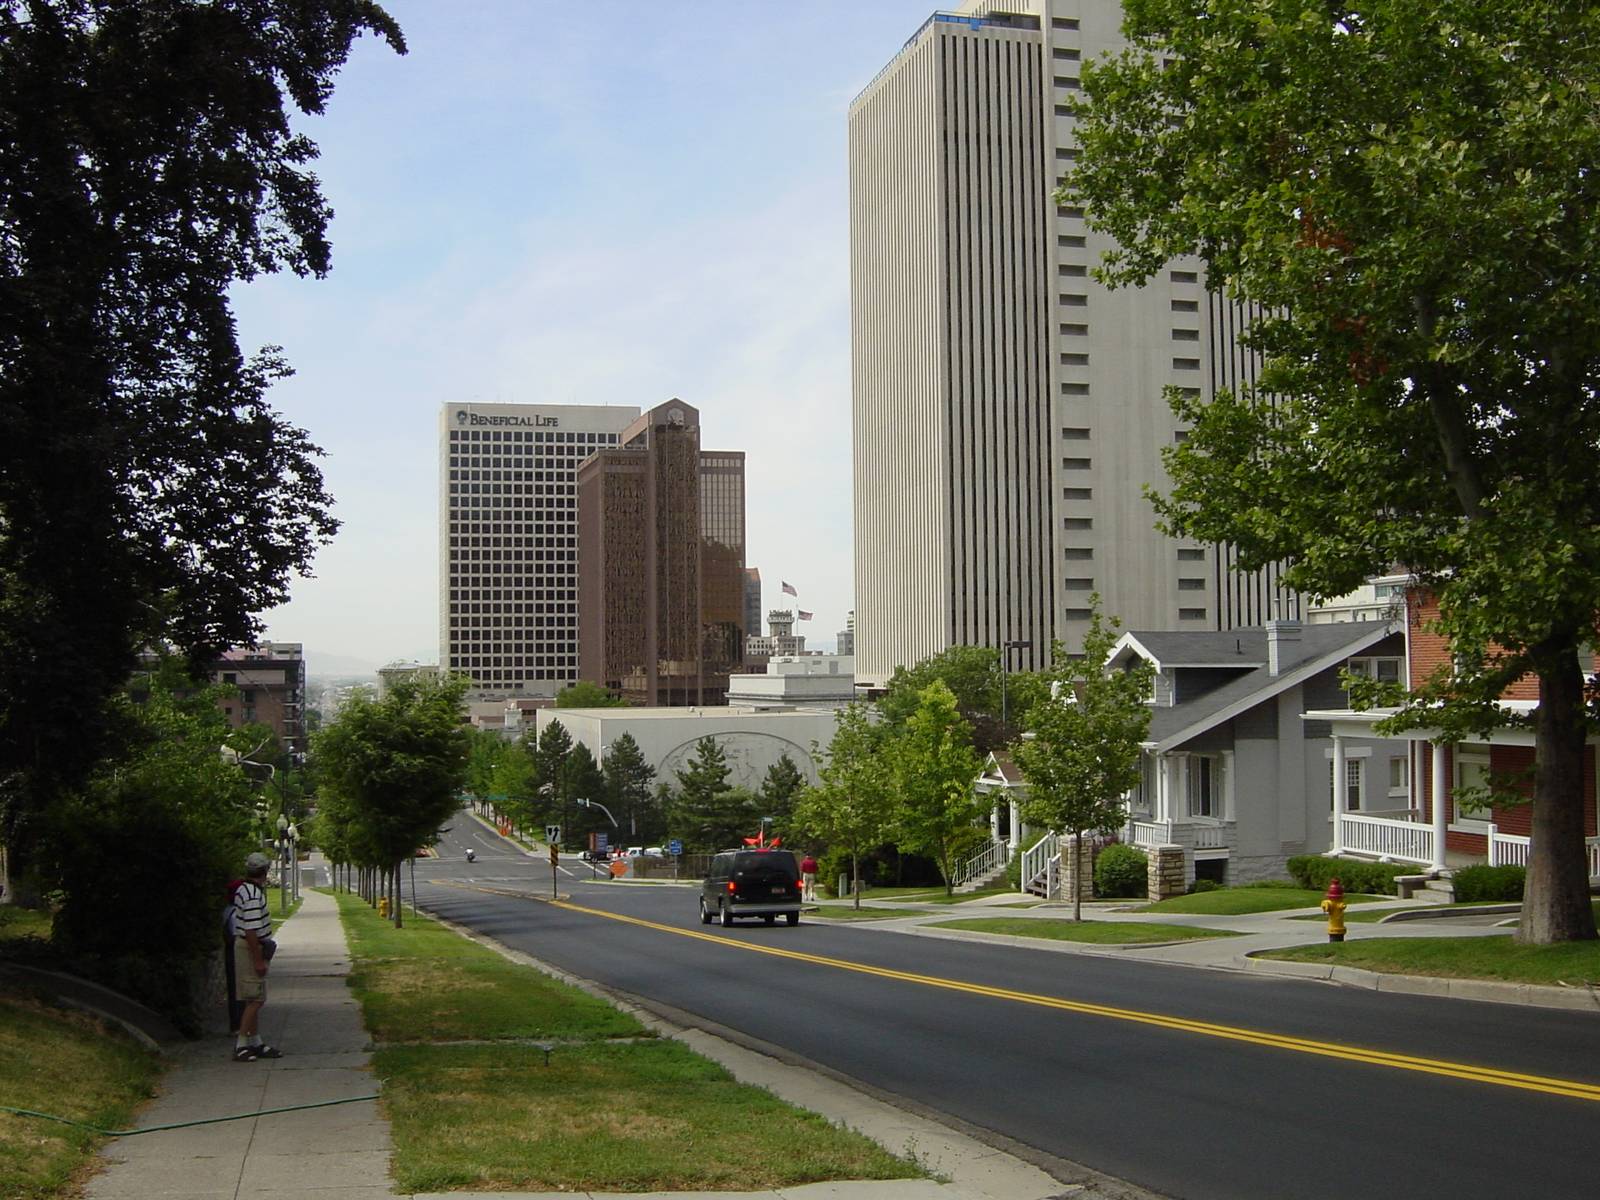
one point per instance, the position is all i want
(63, 1062)
(1233, 902)
(1576, 964)
(611, 1108)
(1098, 932)
(836, 912)
(23, 923)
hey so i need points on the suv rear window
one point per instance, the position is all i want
(764, 864)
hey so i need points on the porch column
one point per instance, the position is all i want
(1440, 802)
(1013, 826)
(994, 818)
(1340, 795)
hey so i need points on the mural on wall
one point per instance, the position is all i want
(748, 754)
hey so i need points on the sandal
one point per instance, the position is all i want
(268, 1052)
(245, 1054)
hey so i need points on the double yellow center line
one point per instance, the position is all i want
(1573, 1089)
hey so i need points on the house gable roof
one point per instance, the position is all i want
(1319, 648)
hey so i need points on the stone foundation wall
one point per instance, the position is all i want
(1166, 875)
(1254, 868)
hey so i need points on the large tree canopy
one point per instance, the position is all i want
(1404, 196)
(147, 491)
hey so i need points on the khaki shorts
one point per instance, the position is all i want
(247, 984)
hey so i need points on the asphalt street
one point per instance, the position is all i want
(1188, 1082)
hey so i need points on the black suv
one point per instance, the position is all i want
(751, 883)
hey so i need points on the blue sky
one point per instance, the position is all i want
(611, 202)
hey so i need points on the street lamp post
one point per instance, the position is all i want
(1005, 662)
(283, 867)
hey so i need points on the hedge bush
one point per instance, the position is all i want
(1314, 871)
(1121, 871)
(1489, 883)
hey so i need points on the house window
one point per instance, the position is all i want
(1399, 780)
(1203, 780)
(1471, 771)
(1385, 670)
(1355, 774)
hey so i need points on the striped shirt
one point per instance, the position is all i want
(250, 910)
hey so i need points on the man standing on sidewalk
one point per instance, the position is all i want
(252, 930)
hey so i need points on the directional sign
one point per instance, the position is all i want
(675, 847)
(552, 834)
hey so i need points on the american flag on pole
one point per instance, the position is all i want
(805, 616)
(788, 590)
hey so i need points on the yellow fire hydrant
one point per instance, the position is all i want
(383, 906)
(1333, 905)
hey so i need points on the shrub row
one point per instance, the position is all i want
(1489, 883)
(1121, 871)
(1314, 871)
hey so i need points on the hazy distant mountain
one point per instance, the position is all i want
(321, 665)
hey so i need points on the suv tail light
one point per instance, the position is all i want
(732, 887)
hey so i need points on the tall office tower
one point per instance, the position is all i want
(752, 600)
(661, 562)
(1008, 410)
(508, 541)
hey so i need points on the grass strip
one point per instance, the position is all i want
(1106, 933)
(609, 1108)
(1234, 902)
(1494, 957)
(639, 1116)
(836, 912)
(66, 1063)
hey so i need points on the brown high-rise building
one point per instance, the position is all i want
(661, 563)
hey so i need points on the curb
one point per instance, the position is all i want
(1584, 999)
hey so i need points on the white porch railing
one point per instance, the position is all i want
(1040, 859)
(1147, 834)
(982, 864)
(1511, 849)
(1383, 838)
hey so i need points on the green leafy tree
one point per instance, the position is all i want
(167, 798)
(851, 806)
(148, 492)
(584, 694)
(1406, 194)
(935, 770)
(582, 779)
(550, 785)
(627, 785)
(989, 699)
(780, 788)
(1083, 757)
(707, 814)
(395, 767)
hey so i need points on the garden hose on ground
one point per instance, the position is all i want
(26, 1112)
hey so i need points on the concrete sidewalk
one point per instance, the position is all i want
(343, 1150)
(318, 1153)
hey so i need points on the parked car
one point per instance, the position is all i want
(751, 883)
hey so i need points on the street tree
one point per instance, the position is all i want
(851, 806)
(935, 772)
(628, 778)
(548, 753)
(153, 158)
(1403, 196)
(1083, 756)
(780, 787)
(581, 779)
(704, 813)
(396, 766)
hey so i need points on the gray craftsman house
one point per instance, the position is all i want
(1230, 771)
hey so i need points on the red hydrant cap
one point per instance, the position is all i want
(1335, 892)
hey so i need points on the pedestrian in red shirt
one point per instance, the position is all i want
(808, 877)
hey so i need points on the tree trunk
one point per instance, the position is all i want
(1076, 851)
(399, 889)
(855, 880)
(1555, 906)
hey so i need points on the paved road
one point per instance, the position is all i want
(1188, 1082)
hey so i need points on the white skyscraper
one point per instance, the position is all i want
(508, 540)
(1008, 409)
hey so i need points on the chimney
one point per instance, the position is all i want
(1283, 645)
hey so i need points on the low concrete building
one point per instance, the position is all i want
(753, 739)
(797, 681)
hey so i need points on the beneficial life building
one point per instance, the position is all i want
(1008, 409)
(508, 540)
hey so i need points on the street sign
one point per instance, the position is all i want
(552, 834)
(555, 855)
(675, 847)
(602, 841)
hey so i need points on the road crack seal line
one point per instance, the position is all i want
(1570, 1088)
